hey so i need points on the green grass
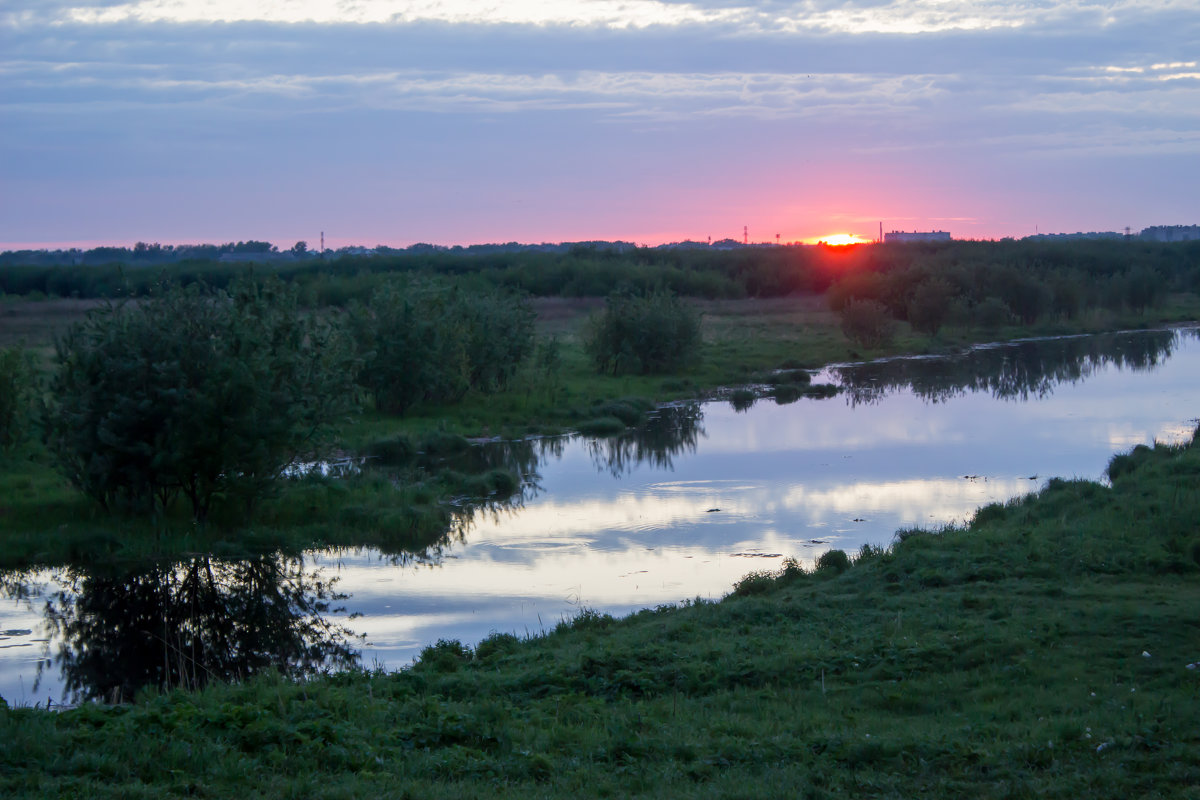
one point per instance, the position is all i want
(46, 522)
(1001, 659)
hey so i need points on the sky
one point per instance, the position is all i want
(467, 121)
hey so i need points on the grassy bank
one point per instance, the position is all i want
(47, 522)
(744, 340)
(1041, 651)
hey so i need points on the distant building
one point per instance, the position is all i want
(917, 236)
(1172, 233)
(1114, 235)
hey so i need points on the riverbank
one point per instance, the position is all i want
(743, 342)
(1047, 649)
(48, 523)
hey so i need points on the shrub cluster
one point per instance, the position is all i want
(198, 393)
(643, 333)
(939, 286)
(867, 322)
(424, 341)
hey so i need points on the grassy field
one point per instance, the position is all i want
(1046, 650)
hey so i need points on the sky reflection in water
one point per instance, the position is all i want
(630, 523)
(917, 442)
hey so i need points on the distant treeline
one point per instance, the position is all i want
(990, 285)
(1018, 272)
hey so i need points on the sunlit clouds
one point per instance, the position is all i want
(921, 16)
(606, 13)
(647, 121)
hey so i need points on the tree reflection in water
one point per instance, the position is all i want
(667, 432)
(1010, 371)
(192, 622)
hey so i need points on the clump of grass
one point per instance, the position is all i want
(822, 390)
(833, 561)
(785, 394)
(392, 450)
(742, 399)
(496, 646)
(630, 410)
(781, 378)
(601, 426)
(441, 443)
(758, 582)
(446, 655)
(676, 385)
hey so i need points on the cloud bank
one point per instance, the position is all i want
(456, 121)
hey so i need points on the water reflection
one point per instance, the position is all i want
(681, 508)
(667, 433)
(188, 623)
(1024, 370)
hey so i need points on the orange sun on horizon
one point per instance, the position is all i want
(838, 239)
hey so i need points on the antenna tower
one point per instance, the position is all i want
(745, 234)
(322, 241)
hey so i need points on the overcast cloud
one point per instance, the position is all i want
(454, 121)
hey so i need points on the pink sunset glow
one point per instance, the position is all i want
(647, 122)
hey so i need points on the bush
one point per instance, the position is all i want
(446, 655)
(1125, 463)
(856, 286)
(202, 393)
(833, 561)
(1024, 294)
(500, 336)
(1144, 288)
(18, 377)
(759, 582)
(1069, 293)
(424, 341)
(496, 645)
(868, 323)
(929, 305)
(992, 313)
(742, 399)
(647, 333)
(413, 346)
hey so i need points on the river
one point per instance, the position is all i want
(681, 509)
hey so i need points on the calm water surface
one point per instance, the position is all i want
(682, 509)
